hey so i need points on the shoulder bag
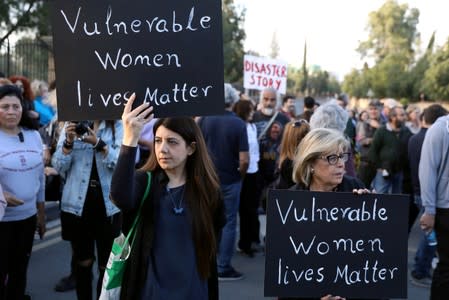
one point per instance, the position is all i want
(121, 249)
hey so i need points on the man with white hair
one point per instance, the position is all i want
(267, 114)
(227, 141)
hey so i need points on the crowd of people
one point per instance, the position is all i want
(207, 175)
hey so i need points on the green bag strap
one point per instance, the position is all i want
(137, 219)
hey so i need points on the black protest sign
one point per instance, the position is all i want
(170, 53)
(318, 243)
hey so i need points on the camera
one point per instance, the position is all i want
(82, 127)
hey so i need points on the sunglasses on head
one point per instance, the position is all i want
(298, 123)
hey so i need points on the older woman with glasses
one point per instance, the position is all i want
(319, 166)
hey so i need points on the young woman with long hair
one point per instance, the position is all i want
(174, 251)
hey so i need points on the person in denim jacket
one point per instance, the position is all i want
(85, 157)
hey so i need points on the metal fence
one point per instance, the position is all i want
(30, 58)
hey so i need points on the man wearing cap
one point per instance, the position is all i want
(227, 141)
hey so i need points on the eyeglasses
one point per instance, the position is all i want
(333, 158)
(298, 123)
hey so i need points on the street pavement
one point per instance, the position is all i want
(50, 261)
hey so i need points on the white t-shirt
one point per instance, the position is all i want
(253, 144)
(22, 172)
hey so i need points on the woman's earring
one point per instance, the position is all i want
(312, 171)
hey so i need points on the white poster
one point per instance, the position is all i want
(261, 73)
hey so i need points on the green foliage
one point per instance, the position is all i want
(319, 82)
(436, 78)
(356, 83)
(416, 76)
(20, 15)
(391, 42)
(233, 37)
(392, 30)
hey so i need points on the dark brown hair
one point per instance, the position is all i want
(202, 189)
(242, 109)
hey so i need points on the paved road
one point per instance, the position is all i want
(50, 261)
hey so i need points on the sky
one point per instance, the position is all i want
(332, 29)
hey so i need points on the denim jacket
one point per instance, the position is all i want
(76, 167)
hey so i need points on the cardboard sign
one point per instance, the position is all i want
(261, 73)
(354, 246)
(170, 53)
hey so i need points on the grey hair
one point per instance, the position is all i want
(231, 94)
(269, 89)
(329, 115)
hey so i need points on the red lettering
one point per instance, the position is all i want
(269, 69)
(247, 65)
(278, 84)
(284, 72)
(252, 81)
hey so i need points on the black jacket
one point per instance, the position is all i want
(347, 185)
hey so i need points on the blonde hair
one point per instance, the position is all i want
(294, 132)
(318, 142)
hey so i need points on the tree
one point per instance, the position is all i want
(305, 74)
(392, 30)
(20, 15)
(233, 37)
(391, 43)
(436, 78)
(356, 83)
(419, 69)
(274, 46)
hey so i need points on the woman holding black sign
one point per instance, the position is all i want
(85, 157)
(174, 252)
(319, 166)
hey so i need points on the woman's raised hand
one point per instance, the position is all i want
(134, 120)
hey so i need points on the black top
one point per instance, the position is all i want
(414, 156)
(285, 174)
(348, 184)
